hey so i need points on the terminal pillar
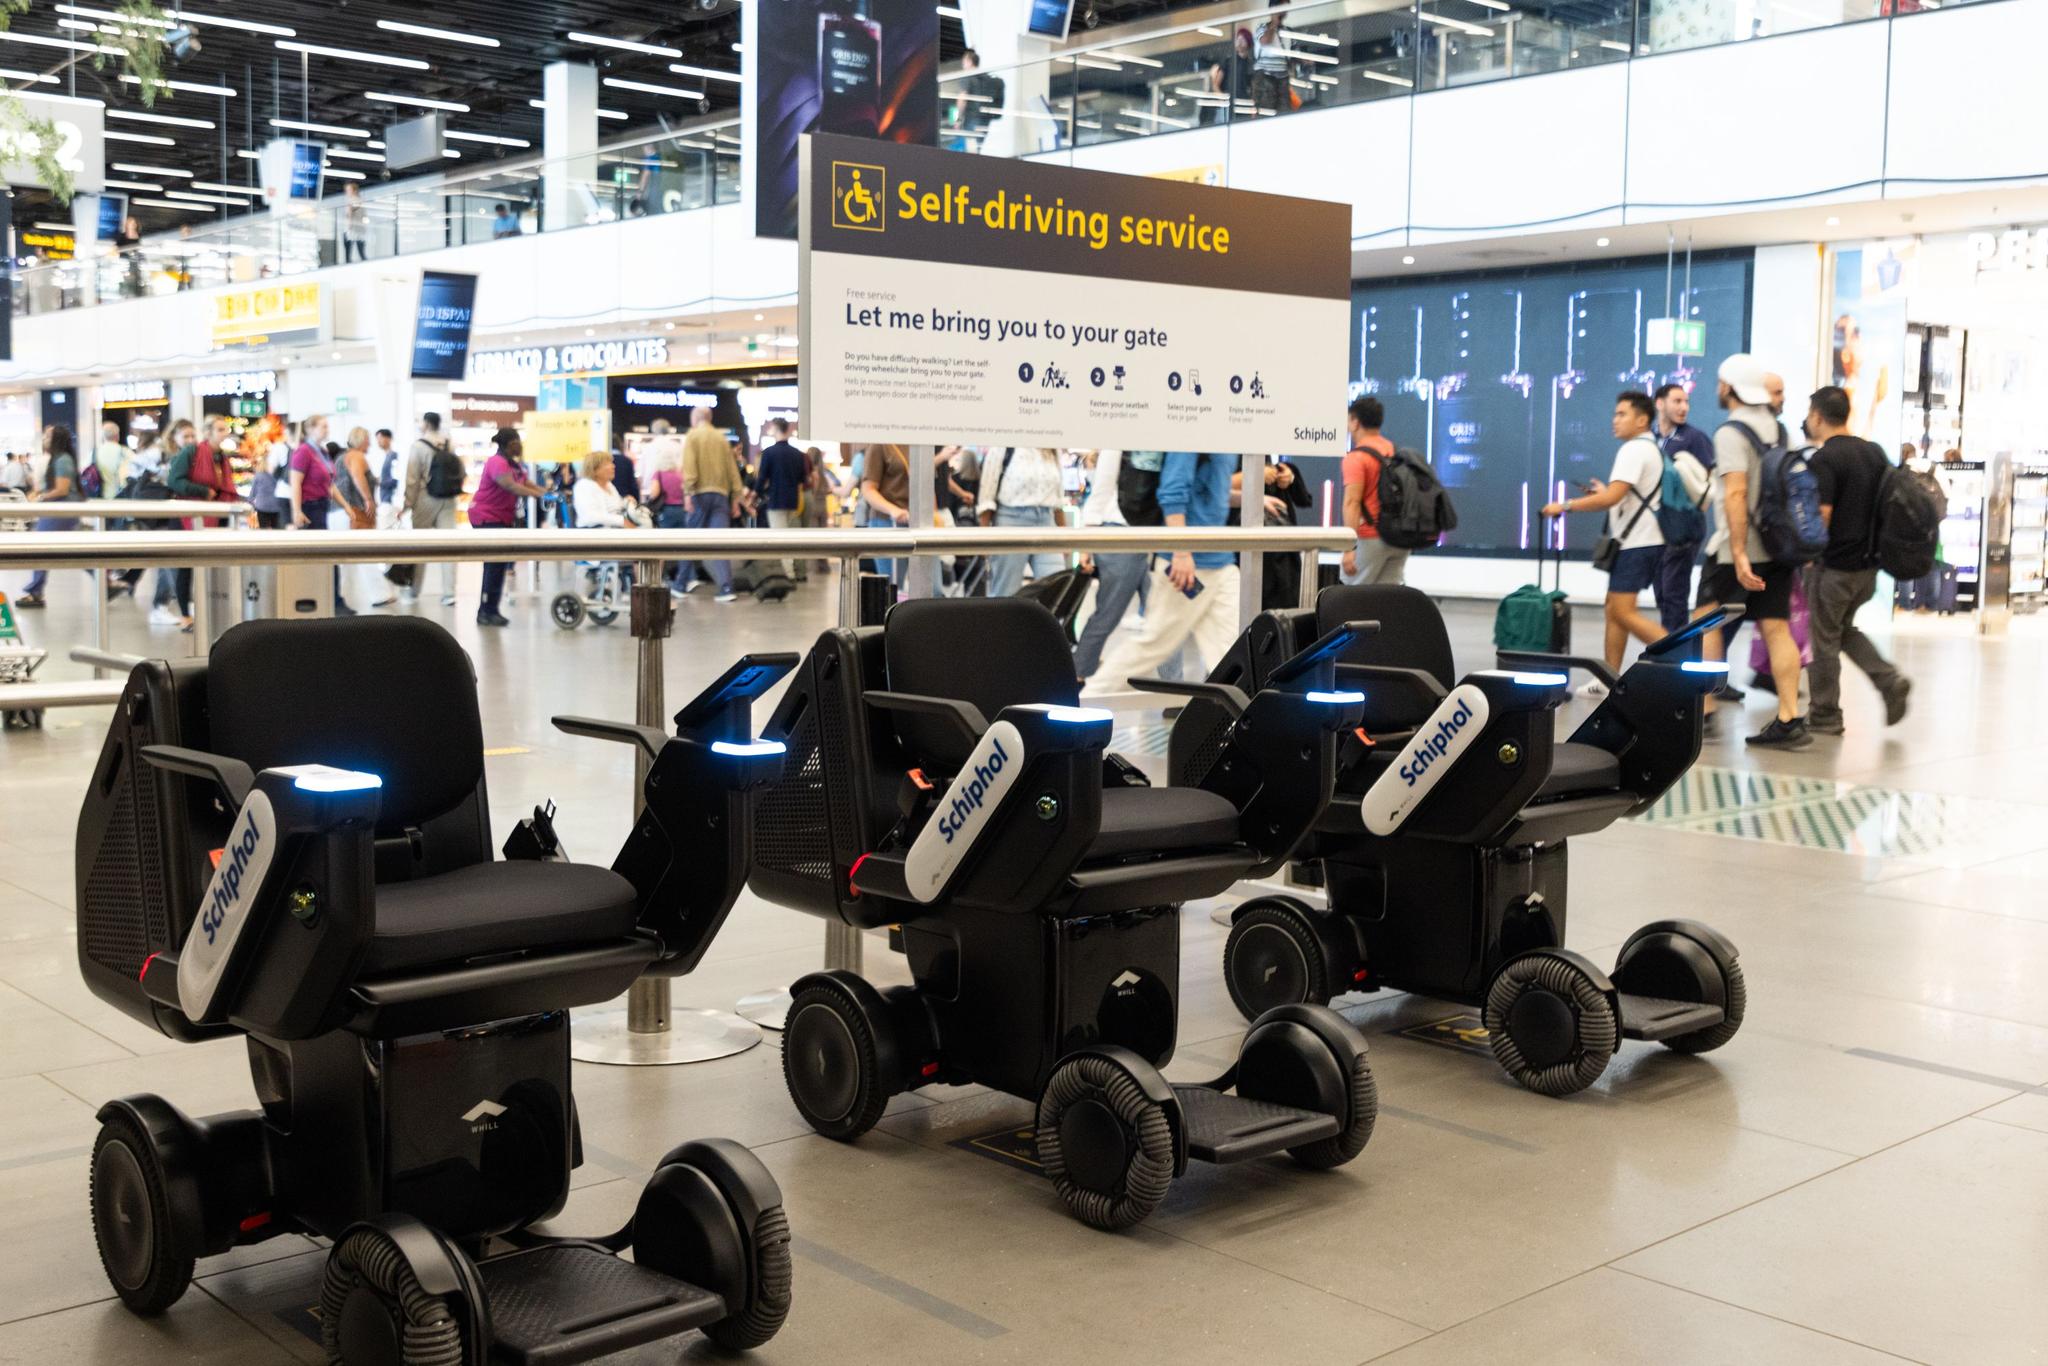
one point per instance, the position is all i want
(568, 142)
(998, 31)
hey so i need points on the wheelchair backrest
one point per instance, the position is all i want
(393, 696)
(1411, 634)
(991, 652)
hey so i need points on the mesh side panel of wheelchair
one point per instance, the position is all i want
(119, 917)
(792, 833)
(1199, 735)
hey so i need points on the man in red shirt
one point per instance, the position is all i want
(1371, 560)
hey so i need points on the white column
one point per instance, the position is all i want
(568, 142)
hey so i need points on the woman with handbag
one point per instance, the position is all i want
(1632, 547)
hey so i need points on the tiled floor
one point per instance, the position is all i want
(1862, 1176)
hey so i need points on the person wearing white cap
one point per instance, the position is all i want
(1738, 573)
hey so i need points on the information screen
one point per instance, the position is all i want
(1049, 18)
(1505, 382)
(440, 334)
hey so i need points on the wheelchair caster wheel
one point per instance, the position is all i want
(1106, 1144)
(1683, 960)
(832, 1044)
(712, 1216)
(375, 1309)
(1312, 1058)
(1552, 1021)
(604, 616)
(567, 611)
(1274, 957)
(148, 1259)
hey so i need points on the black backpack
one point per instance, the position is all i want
(1905, 525)
(1415, 510)
(445, 473)
(1137, 488)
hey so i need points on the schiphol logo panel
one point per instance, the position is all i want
(905, 350)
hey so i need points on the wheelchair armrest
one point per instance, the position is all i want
(1422, 686)
(1524, 659)
(1723, 616)
(650, 739)
(1231, 699)
(966, 717)
(724, 711)
(1324, 651)
(231, 776)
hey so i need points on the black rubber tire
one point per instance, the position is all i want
(1596, 1031)
(566, 611)
(1148, 1137)
(366, 1272)
(164, 1274)
(1713, 1036)
(827, 1003)
(1277, 916)
(1349, 1141)
(770, 1285)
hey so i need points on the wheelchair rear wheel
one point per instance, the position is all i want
(831, 1060)
(147, 1260)
(1106, 1144)
(1552, 1025)
(1274, 957)
(567, 611)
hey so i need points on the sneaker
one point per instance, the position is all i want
(447, 599)
(675, 592)
(488, 618)
(163, 616)
(1782, 734)
(692, 586)
(1593, 690)
(1823, 725)
(29, 600)
(342, 609)
(1895, 702)
(727, 596)
(1728, 692)
(408, 596)
(384, 602)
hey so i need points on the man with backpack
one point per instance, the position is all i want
(1372, 560)
(1767, 517)
(1633, 547)
(1688, 454)
(434, 476)
(1854, 478)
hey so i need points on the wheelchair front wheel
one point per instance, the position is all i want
(146, 1260)
(1552, 1022)
(1274, 957)
(1105, 1143)
(567, 611)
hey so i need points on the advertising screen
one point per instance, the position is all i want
(1049, 18)
(826, 67)
(113, 211)
(307, 161)
(440, 334)
(1505, 382)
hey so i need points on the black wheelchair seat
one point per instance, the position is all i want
(1147, 820)
(1578, 768)
(489, 909)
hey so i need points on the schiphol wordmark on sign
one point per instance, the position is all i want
(957, 298)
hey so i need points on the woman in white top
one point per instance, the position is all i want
(595, 501)
(1021, 487)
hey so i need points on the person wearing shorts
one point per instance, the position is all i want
(1629, 498)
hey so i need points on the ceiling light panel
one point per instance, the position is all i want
(415, 101)
(445, 34)
(349, 54)
(624, 45)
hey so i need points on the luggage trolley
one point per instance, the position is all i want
(1444, 852)
(325, 888)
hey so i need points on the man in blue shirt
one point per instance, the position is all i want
(779, 479)
(1673, 584)
(1187, 595)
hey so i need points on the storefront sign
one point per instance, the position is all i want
(600, 357)
(2013, 249)
(269, 315)
(949, 297)
(234, 382)
(135, 393)
(488, 410)
(636, 397)
(54, 246)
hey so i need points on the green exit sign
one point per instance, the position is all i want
(251, 407)
(1676, 337)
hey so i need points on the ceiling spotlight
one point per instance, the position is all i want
(1407, 260)
(1599, 241)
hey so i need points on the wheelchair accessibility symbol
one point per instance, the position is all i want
(858, 191)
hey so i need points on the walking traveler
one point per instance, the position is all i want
(711, 485)
(58, 484)
(495, 506)
(1118, 577)
(312, 495)
(434, 476)
(780, 479)
(1371, 560)
(1021, 487)
(1850, 472)
(1680, 442)
(1631, 551)
(1188, 597)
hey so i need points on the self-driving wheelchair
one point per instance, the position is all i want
(942, 780)
(291, 841)
(1443, 854)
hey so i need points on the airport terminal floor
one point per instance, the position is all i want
(1863, 1178)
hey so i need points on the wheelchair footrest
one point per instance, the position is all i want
(1653, 1018)
(1226, 1128)
(572, 1302)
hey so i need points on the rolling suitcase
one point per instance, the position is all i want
(1533, 618)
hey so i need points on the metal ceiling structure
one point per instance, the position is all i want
(326, 64)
